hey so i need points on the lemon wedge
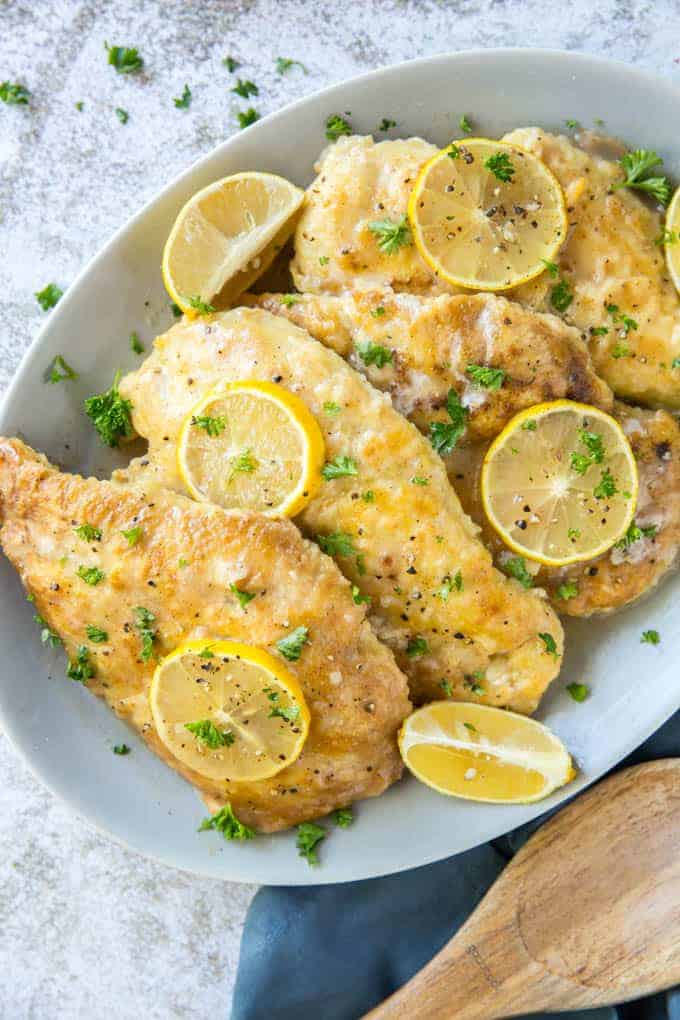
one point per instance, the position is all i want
(252, 445)
(672, 239)
(560, 483)
(487, 215)
(226, 236)
(482, 753)
(228, 710)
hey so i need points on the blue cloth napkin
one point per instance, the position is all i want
(333, 952)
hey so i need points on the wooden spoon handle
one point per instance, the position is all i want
(587, 913)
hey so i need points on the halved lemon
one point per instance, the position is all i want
(226, 236)
(560, 483)
(228, 710)
(487, 215)
(672, 239)
(252, 445)
(482, 753)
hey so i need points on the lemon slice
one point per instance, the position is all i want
(482, 753)
(487, 215)
(672, 239)
(228, 710)
(560, 483)
(252, 445)
(226, 236)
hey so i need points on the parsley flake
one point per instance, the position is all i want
(358, 598)
(126, 60)
(444, 435)
(391, 234)
(568, 590)
(14, 94)
(374, 354)
(231, 64)
(637, 167)
(284, 64)
(200, 306)
(386, 124)
(96, 635)
(446, 687)
(207, 733)
(61, 370)
(331, 408)
(49, 296)
(184, 101)
(133, 535)
(226, 822)
(579, 692)
(339, 467)
(550, 646)
(416, 647)
(144, 623)
(245, 89)
(486, 376)
(337, 543)
(515, 566)
(47, 635)
(343, 817)
(292, 644)
(464, 124)
(634, 534)
(90, 575)
(110, 414)
(290, 713)
(500, 166)
(337, 126)
(243, 463)
(136, 345)
(244, 597)
(552, 268)
(561, 296)
(212, 426)
(88, 533)
(122, 115)
(606, 486)
(650, 637)
(121, 749)
(247, 117)
(309, 835)
(81, 669)
(449, 584)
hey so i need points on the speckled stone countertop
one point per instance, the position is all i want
(88, 929)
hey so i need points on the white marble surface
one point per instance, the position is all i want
(88, 929)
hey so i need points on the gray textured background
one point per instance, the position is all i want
(87, 929)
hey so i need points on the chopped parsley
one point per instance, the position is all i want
(331, 408)
(47, 635)
(343, 817)
(453, 152)
(443, 434)
(183, 102)
(60, 370)
(288, 300)
(339, 467)
(417, 480)
(245, 89)
(80, 106)
(243, 464)
(515, 566)
(126, 60)
(284, 64)
(598, 330)
(486, 376)
(386, 124)
(323, 260)
(144, 622)
(212, 426)
(625, 321)
(14, 94)
(200, 306)
(176, 310)
(96, 635)
(448, 585)
(666, 237)
(374, 354)
(309, 835)
(133, 535)
(337, 543)
(90, 575)
(368, 496)
(634, 534)
(226, 822)
(110, 414)
(289, 713)
(49, 296)
(579, 692)
(337, 126)
(500, 166)
(378, 312)
(464, 124)
(580, 462)
(81, 669)
(650, 637)
(572, 124)
(416, 647)
(358, 598)
(470, 727)
(207, 733)
(561, 296)
(550, 646)
(529, 425)
(606, 486)
(292, 644)
(122, 115)
(206, 653)
(247, 117)
(391, 234)
(446, 687)
(620, 350)
(638, 167)
(136, 345)
(121, 749)
(244, 597)
(88, 533)
(231, 64)
(568, 590)
(552, 268)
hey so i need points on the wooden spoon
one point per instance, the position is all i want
(587, 913)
